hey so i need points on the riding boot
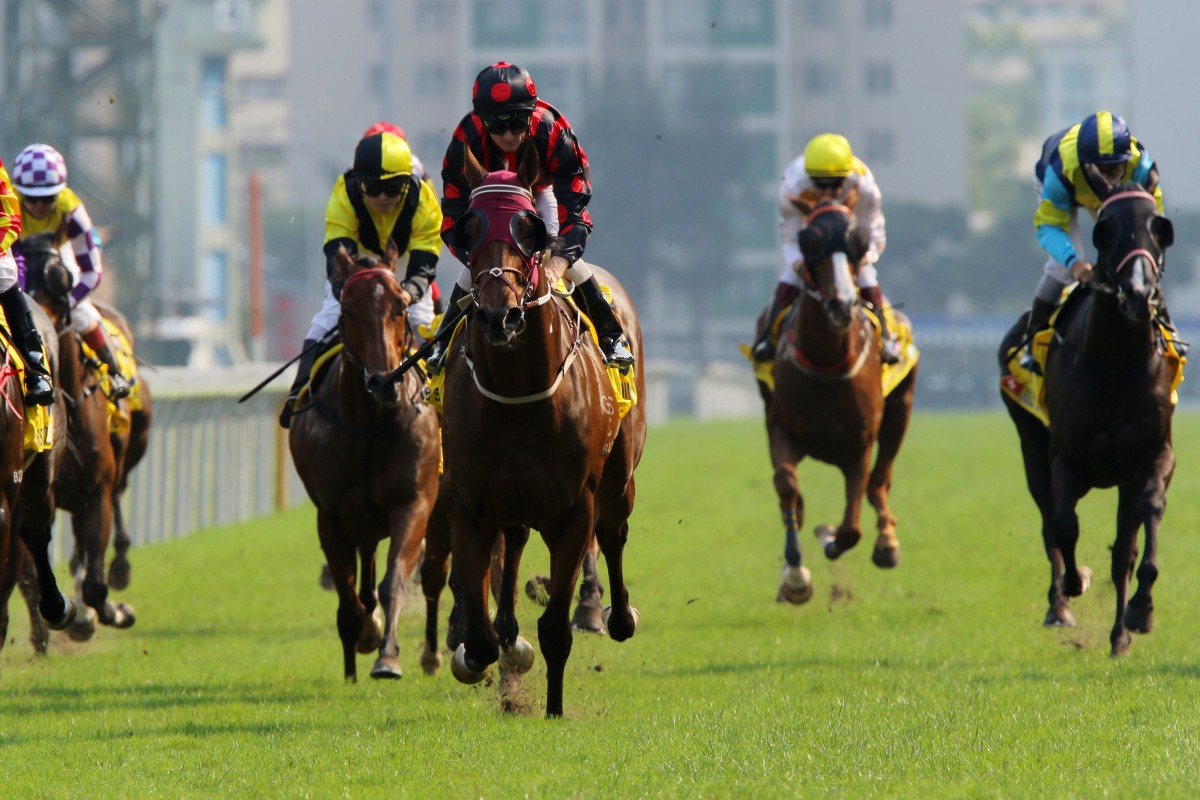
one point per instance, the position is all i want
(889, 351)
(763, 348)
(307, 359)
(1039, 317)
(39, 388)
(613, 342)
(435, 362)
(96, 340)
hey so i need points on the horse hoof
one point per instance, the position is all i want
(461, 669)
(886, 557)
(1138, 620)
(124, 616)
(847, 539)
(387, 667)
(118, 575)
(827, 537)
(431, 661)
(538, 590)
(795, 586)
(68, 617)
(84, 627)
(518, 657)
(1060, 617)
(326, 579)
(620, 636)
(588, 618)
(1085, 578)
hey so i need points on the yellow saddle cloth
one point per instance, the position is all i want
(119, 414)
(39, 420)
(1027, 388)
(893, 374)
(624, 383)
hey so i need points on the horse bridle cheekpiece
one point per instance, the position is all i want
(500, 204)
(1134, 253)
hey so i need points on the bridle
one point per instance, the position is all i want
(531, 260)
(1106, 281)
(348, 354)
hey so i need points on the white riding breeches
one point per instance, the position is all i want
(868, 276)
(8, 272)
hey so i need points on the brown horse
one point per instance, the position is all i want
(367, 452)
(96, 457)
(828, 400)
(27, 501)
(1108, 392)
(532, 435)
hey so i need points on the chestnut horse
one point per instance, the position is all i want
(828, 398)
(532, 435)
(367, 452)
(1108, 391)
(27, 501)
(94, 470)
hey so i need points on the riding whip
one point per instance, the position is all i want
(444, 330)
(280, 371)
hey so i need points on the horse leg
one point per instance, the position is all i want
(1152, 504)
(897, 411)
(516, 653)
(849, 532)
(350, 613)
(796, 585)
(27, 582)
(1068, 489)
(434, 570)
(371, 634)
(612, 531)
(589, 614)
(471, 546)
(1124, 554)
(97, 520)
(567, 549)
(407, 525)
(119, 569)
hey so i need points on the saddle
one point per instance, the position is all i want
(893, 374)
(119, 415)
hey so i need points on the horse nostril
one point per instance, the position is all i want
(513, 319)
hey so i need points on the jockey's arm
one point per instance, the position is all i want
(1052, 221)
(424, 244)
(82, 237)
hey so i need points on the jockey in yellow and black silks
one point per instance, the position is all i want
(385, 195)
(1102, 141)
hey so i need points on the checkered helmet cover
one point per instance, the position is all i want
(39, 171)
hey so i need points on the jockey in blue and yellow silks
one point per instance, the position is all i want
(1103, 141)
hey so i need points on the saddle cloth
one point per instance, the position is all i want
(893, 374)
(119, 414)
(39, 420)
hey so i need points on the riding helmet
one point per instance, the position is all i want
(39, 171)
(382, 156)
(1104, 139)
(828, 156)
(503, 87)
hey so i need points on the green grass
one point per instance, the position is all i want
(932, 680)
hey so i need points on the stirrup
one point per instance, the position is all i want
(889, 352)
(435, 362)
(39, 391)
(763, 351)
(616, 351)
(1029, 362)
(120, 387)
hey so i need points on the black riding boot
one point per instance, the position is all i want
(307, 359)
(613, 342)
(763, 348)
(120, 386)
(889, 352)
(435, 362)
(1039, 317)
(39, 388)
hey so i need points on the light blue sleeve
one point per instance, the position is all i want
(1141, 173)
(1056, 239)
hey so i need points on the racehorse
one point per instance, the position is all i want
(828, 399)
(1108, 386)
(532, 434)
(27, 501)
(93, 471)
(367, 452)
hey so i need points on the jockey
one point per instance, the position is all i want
(40, 175)
(506, 111)
(381, 197)
(1102, 143)
(39, 389)
(828, 170)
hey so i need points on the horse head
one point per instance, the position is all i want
(374, 320)
(833, 244)
(503, 238)
(47, 279)
(1131, 239)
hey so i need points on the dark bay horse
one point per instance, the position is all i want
(27, 500)
(93, 471)
(532, 435)
(1108, 392)
(828, 400)
(367, 453)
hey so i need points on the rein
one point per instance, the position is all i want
(572, 354)
(844, 370)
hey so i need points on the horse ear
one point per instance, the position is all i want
(473, 171)
(858, 241)
(391, 255)
(1097, 182)
(1163, 230)
(1104, 234)
(528, 168)
(803, 207)
(343, 264)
